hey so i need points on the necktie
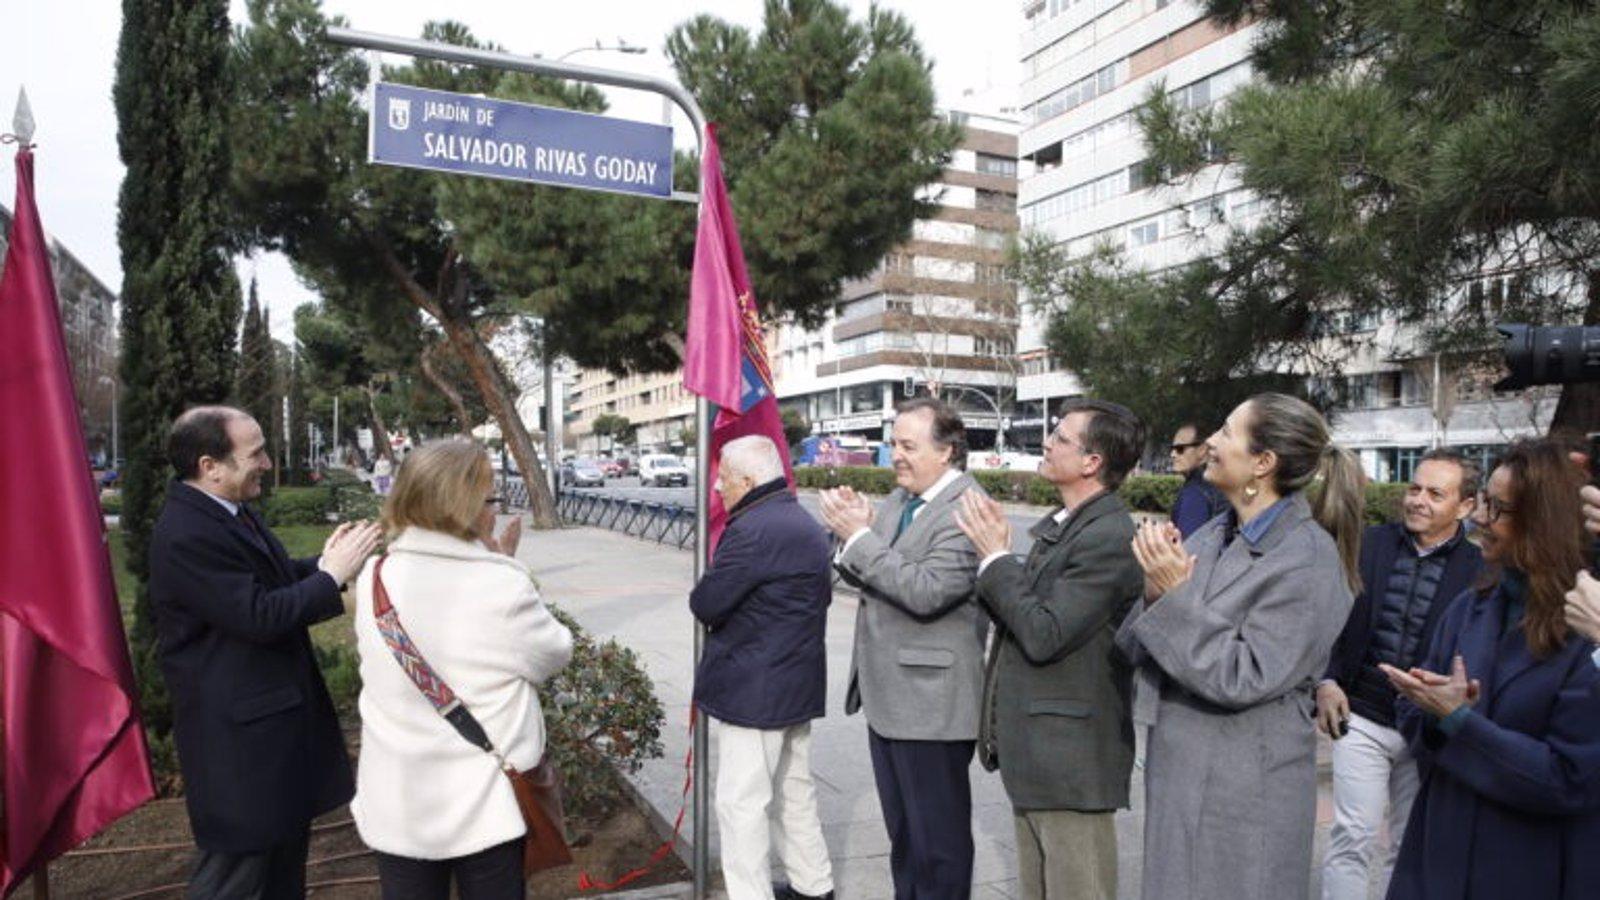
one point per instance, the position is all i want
(255, 530)
(906, 514)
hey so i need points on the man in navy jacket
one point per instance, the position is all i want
(763, 675)
(258, 740)
(1410, 572)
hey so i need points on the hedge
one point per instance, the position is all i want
(298, 506)
(1145, 493)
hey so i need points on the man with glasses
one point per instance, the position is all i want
(1198, 501)
(1410, 571)
(1056, 718)
(258, 740)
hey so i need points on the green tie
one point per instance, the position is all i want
(906, 513)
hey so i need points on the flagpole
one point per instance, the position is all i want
(22, 125)
(702, 544)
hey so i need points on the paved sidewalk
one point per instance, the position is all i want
(636, 591)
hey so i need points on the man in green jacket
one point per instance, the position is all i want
(1056, 716)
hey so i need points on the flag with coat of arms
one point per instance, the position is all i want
(725, 353)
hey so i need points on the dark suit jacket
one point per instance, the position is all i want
(764, 601)
(1510, 804)
(1062, 694)
(258, 739)
(1381, 545)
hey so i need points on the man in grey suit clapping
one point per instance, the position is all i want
(918, 663)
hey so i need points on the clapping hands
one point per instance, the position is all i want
(984, 522)
(1435, 694)
(347, 549)
(844, 511)
(507, 540)
(1159, 549)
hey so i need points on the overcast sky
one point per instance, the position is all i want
(64, 52)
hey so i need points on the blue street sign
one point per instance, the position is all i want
(444, 132)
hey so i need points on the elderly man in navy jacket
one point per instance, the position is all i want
(763, 677)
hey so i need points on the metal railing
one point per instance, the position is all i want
(664, 523)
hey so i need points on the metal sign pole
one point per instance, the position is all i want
(686, 102)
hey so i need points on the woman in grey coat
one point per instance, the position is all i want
(1236, 626)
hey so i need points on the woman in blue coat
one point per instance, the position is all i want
(1504, 715)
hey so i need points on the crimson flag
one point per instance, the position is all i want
(75, 755)
(725, 352)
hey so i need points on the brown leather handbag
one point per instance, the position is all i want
(538, 790)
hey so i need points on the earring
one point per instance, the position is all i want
(1251, 490)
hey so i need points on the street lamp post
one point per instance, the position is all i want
(999, 417)
(552, 426)
(114, 449)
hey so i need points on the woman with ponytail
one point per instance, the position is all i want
(1504, 714)
(1236, 626)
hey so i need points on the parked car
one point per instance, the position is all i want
(582, 473)
(662, 470)
(612, 468)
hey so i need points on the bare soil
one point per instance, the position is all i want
(112, 865)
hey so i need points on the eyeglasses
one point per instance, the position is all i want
(1493, 509)
(1179, 448)
(1056, 437)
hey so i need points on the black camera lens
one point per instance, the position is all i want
(1549, 354)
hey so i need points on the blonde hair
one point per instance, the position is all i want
(441, 487)
(1298, 435)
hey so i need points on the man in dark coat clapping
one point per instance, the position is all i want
(763, 676)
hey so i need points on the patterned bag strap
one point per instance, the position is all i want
(422, 675)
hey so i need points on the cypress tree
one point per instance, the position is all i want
(257, 391)
(180, 298)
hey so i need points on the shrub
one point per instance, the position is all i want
(601, 717)
(341, 669)
(866, 479)
(1151, 493)
(1383, 501)
(298, 506)
(111, 503)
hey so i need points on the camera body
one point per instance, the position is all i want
(1549, 354)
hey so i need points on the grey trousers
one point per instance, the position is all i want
(1063, 854)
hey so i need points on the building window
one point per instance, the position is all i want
(989, 164)
(899, 263)
(1146, 232)
(995, 201)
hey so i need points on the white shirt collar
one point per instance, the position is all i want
(944, 481)
(229, 505)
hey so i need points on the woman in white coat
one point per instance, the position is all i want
(433, 806)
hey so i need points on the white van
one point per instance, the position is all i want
(662, 470)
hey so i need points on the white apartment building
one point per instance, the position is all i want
(1087, 65)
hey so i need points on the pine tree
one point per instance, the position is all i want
(1405, 148)
(180, 297)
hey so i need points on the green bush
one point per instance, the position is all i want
(1144, 493)
(1151, 493)
(298, 506)
(111, 503)
(866, 479)
(355, 501)
(1383, 501)
(341, 669)
(601, 716)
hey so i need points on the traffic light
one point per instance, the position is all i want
(911, 386)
